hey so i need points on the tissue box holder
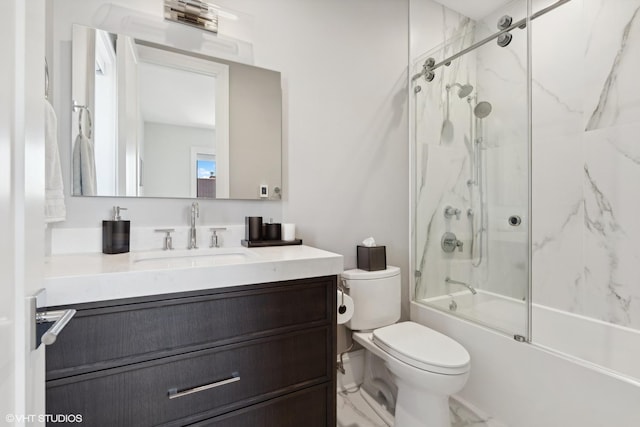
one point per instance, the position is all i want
(372, 258)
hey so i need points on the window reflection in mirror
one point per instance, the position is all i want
(206, 176)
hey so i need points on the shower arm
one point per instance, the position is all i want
(521, 23)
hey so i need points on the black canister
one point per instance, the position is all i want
(372, 258)
(115, 234)
(272, 231)
(253, 228)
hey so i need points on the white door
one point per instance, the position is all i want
(21, 207)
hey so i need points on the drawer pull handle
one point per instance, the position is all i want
(174, 393)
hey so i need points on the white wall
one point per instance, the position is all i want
(345, 147)
(343, 69)
(344, 75)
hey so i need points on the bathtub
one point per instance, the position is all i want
(608, 346)
(576, 372)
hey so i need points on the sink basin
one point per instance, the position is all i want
(194, 257)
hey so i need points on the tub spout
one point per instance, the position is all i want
(449, 280)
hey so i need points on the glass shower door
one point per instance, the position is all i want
(471, 130)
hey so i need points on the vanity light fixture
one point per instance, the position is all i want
(195, 13)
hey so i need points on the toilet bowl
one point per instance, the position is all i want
(426, 365)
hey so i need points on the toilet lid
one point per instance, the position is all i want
(423, 348)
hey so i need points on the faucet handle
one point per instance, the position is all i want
(450, 211)
(450, 242)
(168, 240)
(215, 238)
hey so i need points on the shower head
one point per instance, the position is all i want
(465, 90)
(482, 109)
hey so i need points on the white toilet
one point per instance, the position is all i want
(426, 365)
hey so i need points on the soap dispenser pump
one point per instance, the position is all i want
(115, 233)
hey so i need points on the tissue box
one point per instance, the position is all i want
(372, 258)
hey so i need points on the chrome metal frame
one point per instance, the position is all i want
(529, 301)
(195, 13)
(46, 79)
(430, 65)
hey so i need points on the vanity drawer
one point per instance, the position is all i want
(309, 408)
(256, 370)
(142, 329)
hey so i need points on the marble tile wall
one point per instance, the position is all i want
(443, 157)
(502, 81)
(586, 105)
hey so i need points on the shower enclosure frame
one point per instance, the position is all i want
(599, 344)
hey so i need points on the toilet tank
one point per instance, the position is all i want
(376, 297)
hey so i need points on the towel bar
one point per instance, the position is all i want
(81, 108)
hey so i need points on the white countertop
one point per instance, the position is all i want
(81, 278)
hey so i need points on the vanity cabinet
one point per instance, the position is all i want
(253, 355)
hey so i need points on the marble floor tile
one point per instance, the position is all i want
(353, 411)
(462, 416)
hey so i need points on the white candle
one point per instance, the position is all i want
(288, 232)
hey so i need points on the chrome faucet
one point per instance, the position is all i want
(195, 212)
(450, 281)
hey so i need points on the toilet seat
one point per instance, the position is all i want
(422, 348)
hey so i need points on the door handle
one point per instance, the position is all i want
(60, 318)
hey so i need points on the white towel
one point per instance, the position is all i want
(84, 167)
(54, 207)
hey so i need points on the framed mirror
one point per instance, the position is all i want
(155, 121)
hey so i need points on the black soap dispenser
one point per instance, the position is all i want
(115, 233)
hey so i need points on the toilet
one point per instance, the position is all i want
(425, 365)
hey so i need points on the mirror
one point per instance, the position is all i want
(155, 121)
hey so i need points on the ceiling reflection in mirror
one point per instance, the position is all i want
(154, 121)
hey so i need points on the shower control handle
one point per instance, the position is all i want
(450, 211)
(450, 242)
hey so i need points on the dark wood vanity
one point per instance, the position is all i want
(252, 355)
